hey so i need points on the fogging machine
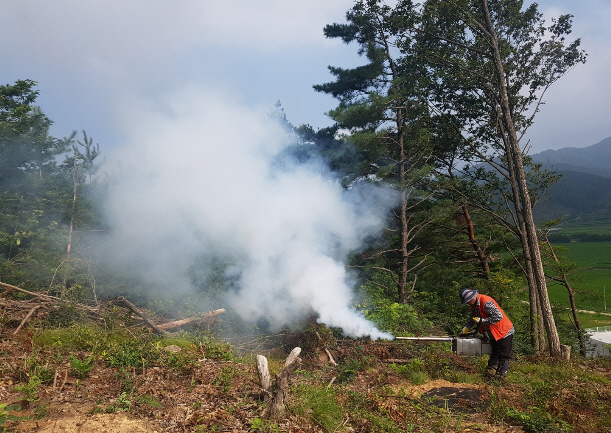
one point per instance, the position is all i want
(468, 344)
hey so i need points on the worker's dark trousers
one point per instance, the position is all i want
(501, 353)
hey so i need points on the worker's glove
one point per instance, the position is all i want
(477, 320)
(465, 331)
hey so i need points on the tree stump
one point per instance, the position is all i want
(565, 352)
(264, 377)
(277, 405)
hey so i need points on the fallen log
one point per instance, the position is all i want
(182, 322)
(137, 311)
(46, 297)
(38, 295)
(27, 317)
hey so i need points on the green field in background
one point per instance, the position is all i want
(601, 230)
(593, 279)
(589, 321)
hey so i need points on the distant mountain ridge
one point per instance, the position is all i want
(584, 190)
(594, 159)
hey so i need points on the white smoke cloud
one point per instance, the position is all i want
(201, 176)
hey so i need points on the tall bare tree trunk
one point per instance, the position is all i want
(515, 158)
(74, 182)
(404, 219)
(402, 285)
(537, 329)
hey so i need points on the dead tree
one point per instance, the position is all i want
(279, 394)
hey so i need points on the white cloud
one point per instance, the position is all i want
(155, 31)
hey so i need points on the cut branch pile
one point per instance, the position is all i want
(23, 310)
(39, 305)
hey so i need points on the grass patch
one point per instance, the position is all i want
(589, 320)
(414, 371)
(122, 349)
(462, 377)
(320, 405)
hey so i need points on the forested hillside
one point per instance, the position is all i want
(593, 159)
(584, 190)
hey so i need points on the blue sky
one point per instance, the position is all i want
(97, 62)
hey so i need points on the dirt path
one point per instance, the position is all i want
(85, 423)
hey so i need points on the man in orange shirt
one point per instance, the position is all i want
(492, 320)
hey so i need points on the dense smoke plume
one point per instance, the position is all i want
(203, 177)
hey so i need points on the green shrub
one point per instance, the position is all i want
(224, 380)
(73, 339)
(121, 404)
(357, 361)
(30, 390)
(389, 316)
(179, 362)
(66, 315)
(216, 349)
(131, 353)
(80, 368)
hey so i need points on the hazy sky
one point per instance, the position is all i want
(97, 62)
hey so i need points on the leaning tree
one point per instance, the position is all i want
(492, 62)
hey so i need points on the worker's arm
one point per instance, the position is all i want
(494, 314)
(470, 324)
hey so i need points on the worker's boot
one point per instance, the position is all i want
(502, 369)
(491, 370)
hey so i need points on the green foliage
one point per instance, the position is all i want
(180, 362)
(216, 349)
(43, 372)
(397, 319)
(5, 413)
(30, 390)
(149, 401)
(224, 380)
(130, 353)
(76, 338)
(121, 404)
(535, 420)
(120, 349)
(65, 315)
(259, 425)
(356, 361)
(80, 368)
(37, 200)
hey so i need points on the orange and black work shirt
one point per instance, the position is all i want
(493, 317)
